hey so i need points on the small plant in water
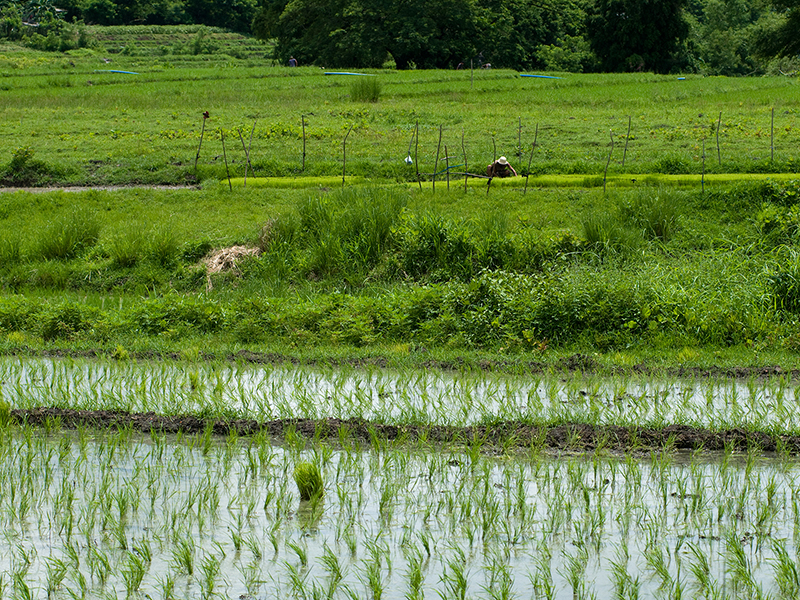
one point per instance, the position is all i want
(309, 481)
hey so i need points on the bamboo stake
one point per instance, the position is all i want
(246, 154)
(250, 145)
(447, 166)
(719, 154)
(703, 176)
(530, 160)
(200, 145)
(466, 170)
(608, 162)
(303, 119)
(344, 153)
(225, 155)
(627, 137)
(519, 138)
(436, 162)
(772, 136)
(416, 155)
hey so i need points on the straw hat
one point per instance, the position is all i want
(502, 160)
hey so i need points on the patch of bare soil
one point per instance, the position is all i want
(568, 437)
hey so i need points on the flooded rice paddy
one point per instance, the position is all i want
(265, 392)
(109, 514)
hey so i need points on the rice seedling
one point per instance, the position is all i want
(309, 481)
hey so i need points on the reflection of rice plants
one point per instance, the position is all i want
(407, 519)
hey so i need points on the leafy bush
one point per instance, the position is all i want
(66, 320)
(365, 89)
(25, 170)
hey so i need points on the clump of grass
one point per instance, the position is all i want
(69, 237)
(365, 89)
(126, 249)
(308, 480)
(654, 212)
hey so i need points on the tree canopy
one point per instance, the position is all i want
(637, 34)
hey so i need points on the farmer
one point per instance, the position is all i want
(500, 168)
(292, 61)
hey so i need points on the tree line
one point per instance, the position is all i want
(727, 37)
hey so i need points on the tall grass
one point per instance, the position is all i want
(365, 89)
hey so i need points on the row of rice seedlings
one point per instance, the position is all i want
(88, 514)
(403, 397)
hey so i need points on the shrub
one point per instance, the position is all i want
(66, 320)
(25, 170)
(308, 480)
(365, 89)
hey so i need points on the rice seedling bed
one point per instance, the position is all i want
(106, 513)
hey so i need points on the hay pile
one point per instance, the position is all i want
(224, 259)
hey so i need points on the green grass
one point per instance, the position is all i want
(91, 126)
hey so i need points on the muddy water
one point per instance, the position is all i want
(107, 515)
(272, 392)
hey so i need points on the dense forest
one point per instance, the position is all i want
(715, 37)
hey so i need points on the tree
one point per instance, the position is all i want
(722, 37)
(632, 35)
(780, 37)
(364, 33)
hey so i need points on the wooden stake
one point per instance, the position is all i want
(519, 138)
(303, 119)
(627, 137)
(772, 137)
(225, 155)
(466, 170)
(246, 154)
(605, 173)
(703, 176)
(436, 163)
(530, 160)
(200, 145)
(447, 166)
(416, 155)
(344, 153)
(719, 154)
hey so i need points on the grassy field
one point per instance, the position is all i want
(90, 125)
(668, 258)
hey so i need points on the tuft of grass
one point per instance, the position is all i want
(69, 237)
(308, 480)
(366, 89)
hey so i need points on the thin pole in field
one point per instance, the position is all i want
(627, 137)
(703, 176)
(494, 150)
(447, 166)
(416, 154)
(225, 155)
(530, 160)
(250, 145)
(200, 145)
(466, 170)
(344, 153)
(608, 162)
(519, 138)
(246, 154)
(436, 163)
(719, 154)
(303, 120)
(772, 136)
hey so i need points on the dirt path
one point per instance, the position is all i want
(578, 437)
